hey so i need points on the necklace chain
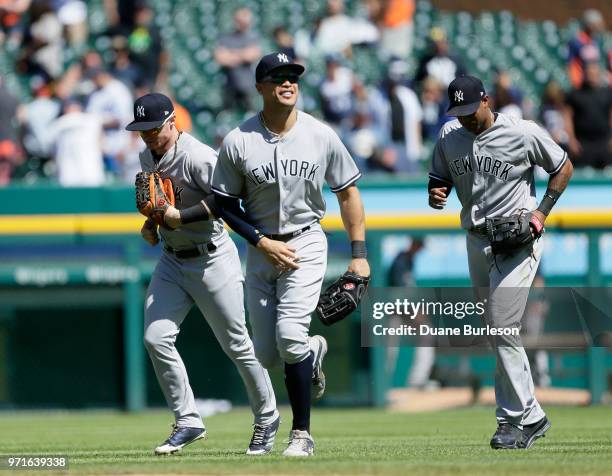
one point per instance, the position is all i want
(263, 121)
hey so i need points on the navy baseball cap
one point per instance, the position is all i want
(464, 95)
(150, 111)
(274, 61)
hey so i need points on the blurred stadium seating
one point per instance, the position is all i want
(534, 52)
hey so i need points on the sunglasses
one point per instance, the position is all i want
(157, 130)
(281, 78)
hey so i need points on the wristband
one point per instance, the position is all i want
(550, 198)
(199, 212)
(358, 249)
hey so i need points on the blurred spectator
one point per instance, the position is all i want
(283, 41)
(112, 103)
(583, 48)
(587, 118)
(10, 152)
(434, 102)
(533, 324)
(438, 61)
(336, 93)
(305, 38)
(338, 31)
(507, 98)
(551, 113)
(396, 27)
(38, 116)
(120, 15)
(397, 116)
(73, 16)
(42, 48)
(12, 21)
(130, 165)
(335, 32)
(402, 268)
(401, 275)
(76, 137)
(236, 53)
(362, 141)
(122, 66)
(147, 50)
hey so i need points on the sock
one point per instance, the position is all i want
(298, 380)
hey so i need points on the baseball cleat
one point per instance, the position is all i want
(300, 444)
(534, 431)
(262, 440)
(180, 437)
(319, 345)
(507, 437)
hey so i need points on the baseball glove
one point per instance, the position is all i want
(341, 298)
(153, 195)
(508, 234)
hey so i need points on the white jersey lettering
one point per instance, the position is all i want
(283, 190)
(493, 171)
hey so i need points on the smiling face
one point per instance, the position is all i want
(280, 88)
(479, 120)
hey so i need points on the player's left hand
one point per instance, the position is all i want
(438, 197)
(541, 217)
(359, 266)
(279, 253)
(172, 217)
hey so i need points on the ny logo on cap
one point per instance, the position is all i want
(140, 112)
(458, 96)
(282, 57)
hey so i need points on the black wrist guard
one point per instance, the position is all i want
(358, 249)
(550, 198)
(198, 212)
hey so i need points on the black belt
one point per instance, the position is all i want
(288, 236)
(479, 230)
(190, 252)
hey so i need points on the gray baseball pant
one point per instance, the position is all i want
(280, 303)
(214, 282)
(505, 282)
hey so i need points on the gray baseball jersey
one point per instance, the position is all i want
(493, 172)
(280, 179)
(213, 282)
(190, 166)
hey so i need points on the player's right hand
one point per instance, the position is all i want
(149, 232)
(279, 253)
(437, 197)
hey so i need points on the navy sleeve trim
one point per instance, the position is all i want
(441, 179)
(225, 194)
(559, 166)
(347, 184)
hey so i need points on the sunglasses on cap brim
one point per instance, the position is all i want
(155, 131)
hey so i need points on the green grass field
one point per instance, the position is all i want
(351, 442)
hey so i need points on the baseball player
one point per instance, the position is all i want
(490, 159)
(200, 265)
(276, 163)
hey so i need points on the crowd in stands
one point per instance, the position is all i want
(72, 127)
